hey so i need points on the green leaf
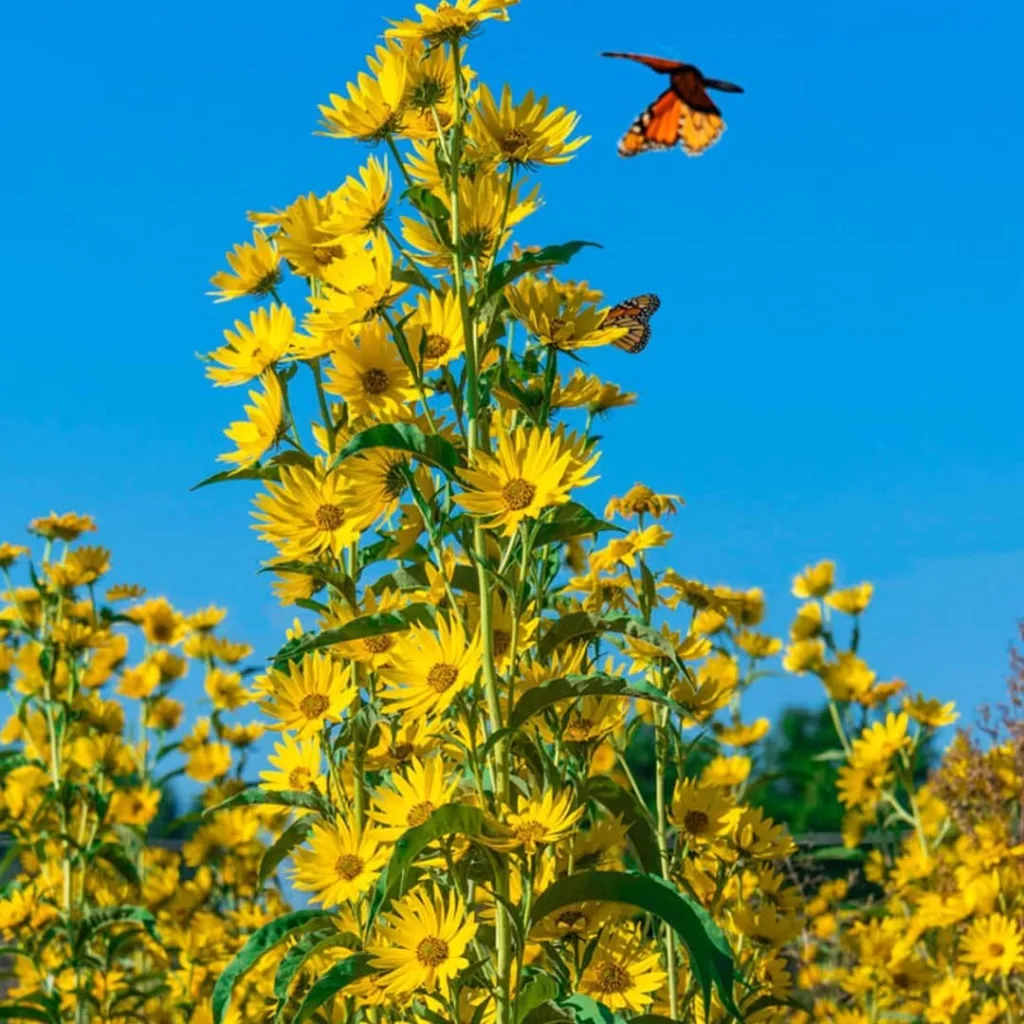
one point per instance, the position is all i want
(589, 1011)
(294, 835)
(292, 962)
(507, 271)
(96, 920)
(653, 1018)
(536, 992)
(336, 978)
(546, 1013)
(711, 960)
(584, 625)
(19, 1011)
(282, 798)
(571, 520)
(366, 625)
(570, 687)
(405, 437)
(836, 853)
(119, 860)
(253, 472)
(451, 819)
(262, 940)
(620, 801)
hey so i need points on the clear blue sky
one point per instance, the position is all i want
(836, 368)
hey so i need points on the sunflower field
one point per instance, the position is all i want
(438, 809)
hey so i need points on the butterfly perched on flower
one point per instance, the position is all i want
(635, 315)
(684, 114)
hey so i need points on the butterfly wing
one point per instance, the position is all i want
(700, 121)
(656, 128)
(635, 315)
(659, 64)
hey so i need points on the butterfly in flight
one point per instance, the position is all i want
(683, 114)
(635, 315)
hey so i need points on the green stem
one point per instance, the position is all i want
(661, 751)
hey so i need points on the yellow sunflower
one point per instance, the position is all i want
(370, 375)
(252, 350)
(298, 766)
(307, 514)
(311, 693)
(449, 22)
(67, 526)
(373, 109)
(412, 797)
(303, 239)
(852, 600)
(565, 315)
(525, 133)
(372, 651)
(399, 743)
(539, 822)
(422, 946)
(993, 946)
(378, 479)
(434, 330)
(531, 471)
(625, 971)
(428, 670)
(263, 426)
(815, 580)
(340, 865)
(701, 813)
(254, 270)
(359, 205)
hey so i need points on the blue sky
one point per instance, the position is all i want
(836, 369)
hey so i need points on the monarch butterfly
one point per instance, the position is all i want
(634, 314)
(683, 114)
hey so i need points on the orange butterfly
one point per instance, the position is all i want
(685, 113)
(634, 314)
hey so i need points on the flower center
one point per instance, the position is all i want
(436, 346)
(326, 253)
(375, 381)
(996, 949)
(696, 822)
(394, 479)
(571, 918)
(432, 951)
(299, 778)
(518, 494)
(530, 832)
(378, 644)
(349, 866)
(401, 751)
(441, 676)
(419, 814)
(313, 705)
(612, 978)
(329, 517)
(515, 139)
(578, 730)
(502, 642)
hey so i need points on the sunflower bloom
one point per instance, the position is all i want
(434, 330)
(254, 270)
(428, 670)
(538, 823)
(340, 865)
(411, 798)
(307, 514)
(701, 813)
(815, 580)
(525, 133)
(373, 109)
(263, 426)
(360, 203)
(250, 350)
(302, 238)
(563, 315)
(625, 971)
(449, 21)
(310, 694)
(531, 471)
(422, 948)
(298, 766)
(993, 947)
(370, 375)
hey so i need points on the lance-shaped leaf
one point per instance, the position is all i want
(536, 992)
(452, 819)
(96, 920)
(571, 520)
(270, 470)
(336, 978)
(507, 271)
(586, 1010)
(711, 960)
(22, 1011)
(358, 629)
(261, 940)
(620, 801)
(405, 437)
(293, 961)
(584, 625)
(294, 835)
(572, 687)
(279, 798)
